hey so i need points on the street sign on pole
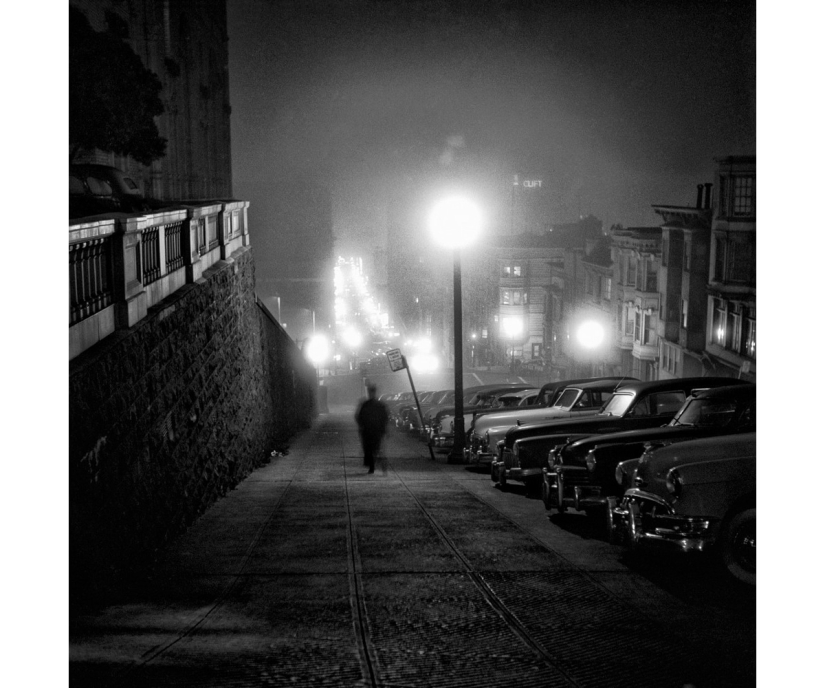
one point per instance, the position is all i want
(399, 362)
(396, 360)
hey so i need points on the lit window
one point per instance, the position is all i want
(506, 297)
(744, 198)
(684, 313)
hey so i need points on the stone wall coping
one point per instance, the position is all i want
(91, 230)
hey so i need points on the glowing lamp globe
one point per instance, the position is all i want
(590, 335)
(455, 223)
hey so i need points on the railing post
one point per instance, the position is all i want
(130, 296)
(189, 240)
(224, 230)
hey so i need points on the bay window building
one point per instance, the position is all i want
(731, 290)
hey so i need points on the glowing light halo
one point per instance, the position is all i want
(590, 334)
(317, 349)
(454, 222)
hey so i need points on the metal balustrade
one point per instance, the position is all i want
(90, 278)
(150, 252)
(174, 246)
(134, 262)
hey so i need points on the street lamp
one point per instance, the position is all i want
(512, 328)
(455, 223)
(590, 335)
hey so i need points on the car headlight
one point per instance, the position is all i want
(619, 475)
(591, 460)
(673, 482)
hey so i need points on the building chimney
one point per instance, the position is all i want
(699, 195)
(708, 187)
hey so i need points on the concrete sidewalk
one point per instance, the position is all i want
(314, 573)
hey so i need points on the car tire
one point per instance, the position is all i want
(738, 546)
(502, 478)
(494, 472)
(545, 495)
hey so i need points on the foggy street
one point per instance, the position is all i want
(313, 573)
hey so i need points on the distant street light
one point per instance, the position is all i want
(512, 328)
(317, 349)
(456, 223)
(590, 334)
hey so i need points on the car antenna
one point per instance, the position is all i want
(624, 377)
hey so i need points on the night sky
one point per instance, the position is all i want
(614, 105)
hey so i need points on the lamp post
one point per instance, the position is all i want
(454, 224)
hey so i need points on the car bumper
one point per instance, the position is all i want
(519, 474)
(646, 520)
(566, 489)
(480, 457)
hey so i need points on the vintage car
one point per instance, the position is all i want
(487, 427)
(633, 406)
(695, 496)
(440, 433)
(575, 401)
(581, 475)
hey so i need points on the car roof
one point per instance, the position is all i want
(729, 391)
(597, 384)
(678, 383)
(580, 380)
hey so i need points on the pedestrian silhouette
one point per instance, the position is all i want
(372, 419)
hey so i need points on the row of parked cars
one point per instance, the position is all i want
(667, 464)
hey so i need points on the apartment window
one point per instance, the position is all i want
(536, 353)
(651, 276)
(516, 297)
(665, 252)
(719, 264)
(670, 358)
(735, 331)
(749, 337)
(631, 271)
(511, 270)
(506, 297)
(637, 327)
(735, 260)
(608, 288)
(648, 333)
(686, 257)
(629, 322)
(744, 196)
(684, 313)
(719, 321)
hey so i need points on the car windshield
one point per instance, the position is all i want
(567, 399)
(707, 413)
(618, 405)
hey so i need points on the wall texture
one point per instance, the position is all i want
(168, 416)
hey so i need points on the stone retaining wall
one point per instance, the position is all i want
(168, 416)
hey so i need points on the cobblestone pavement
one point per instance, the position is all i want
(313, 573)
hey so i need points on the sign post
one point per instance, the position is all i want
(399, 362)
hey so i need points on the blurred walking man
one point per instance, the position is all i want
(372, 419)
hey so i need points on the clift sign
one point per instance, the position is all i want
(527, 183)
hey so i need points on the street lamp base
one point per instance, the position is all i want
(455, 457)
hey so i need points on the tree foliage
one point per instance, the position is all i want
(113, 98)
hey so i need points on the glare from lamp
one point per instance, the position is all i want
(317, 349)
(455, 223)
(590, 334)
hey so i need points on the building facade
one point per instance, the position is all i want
(730, 339)
(636, 253)
(185, 43)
